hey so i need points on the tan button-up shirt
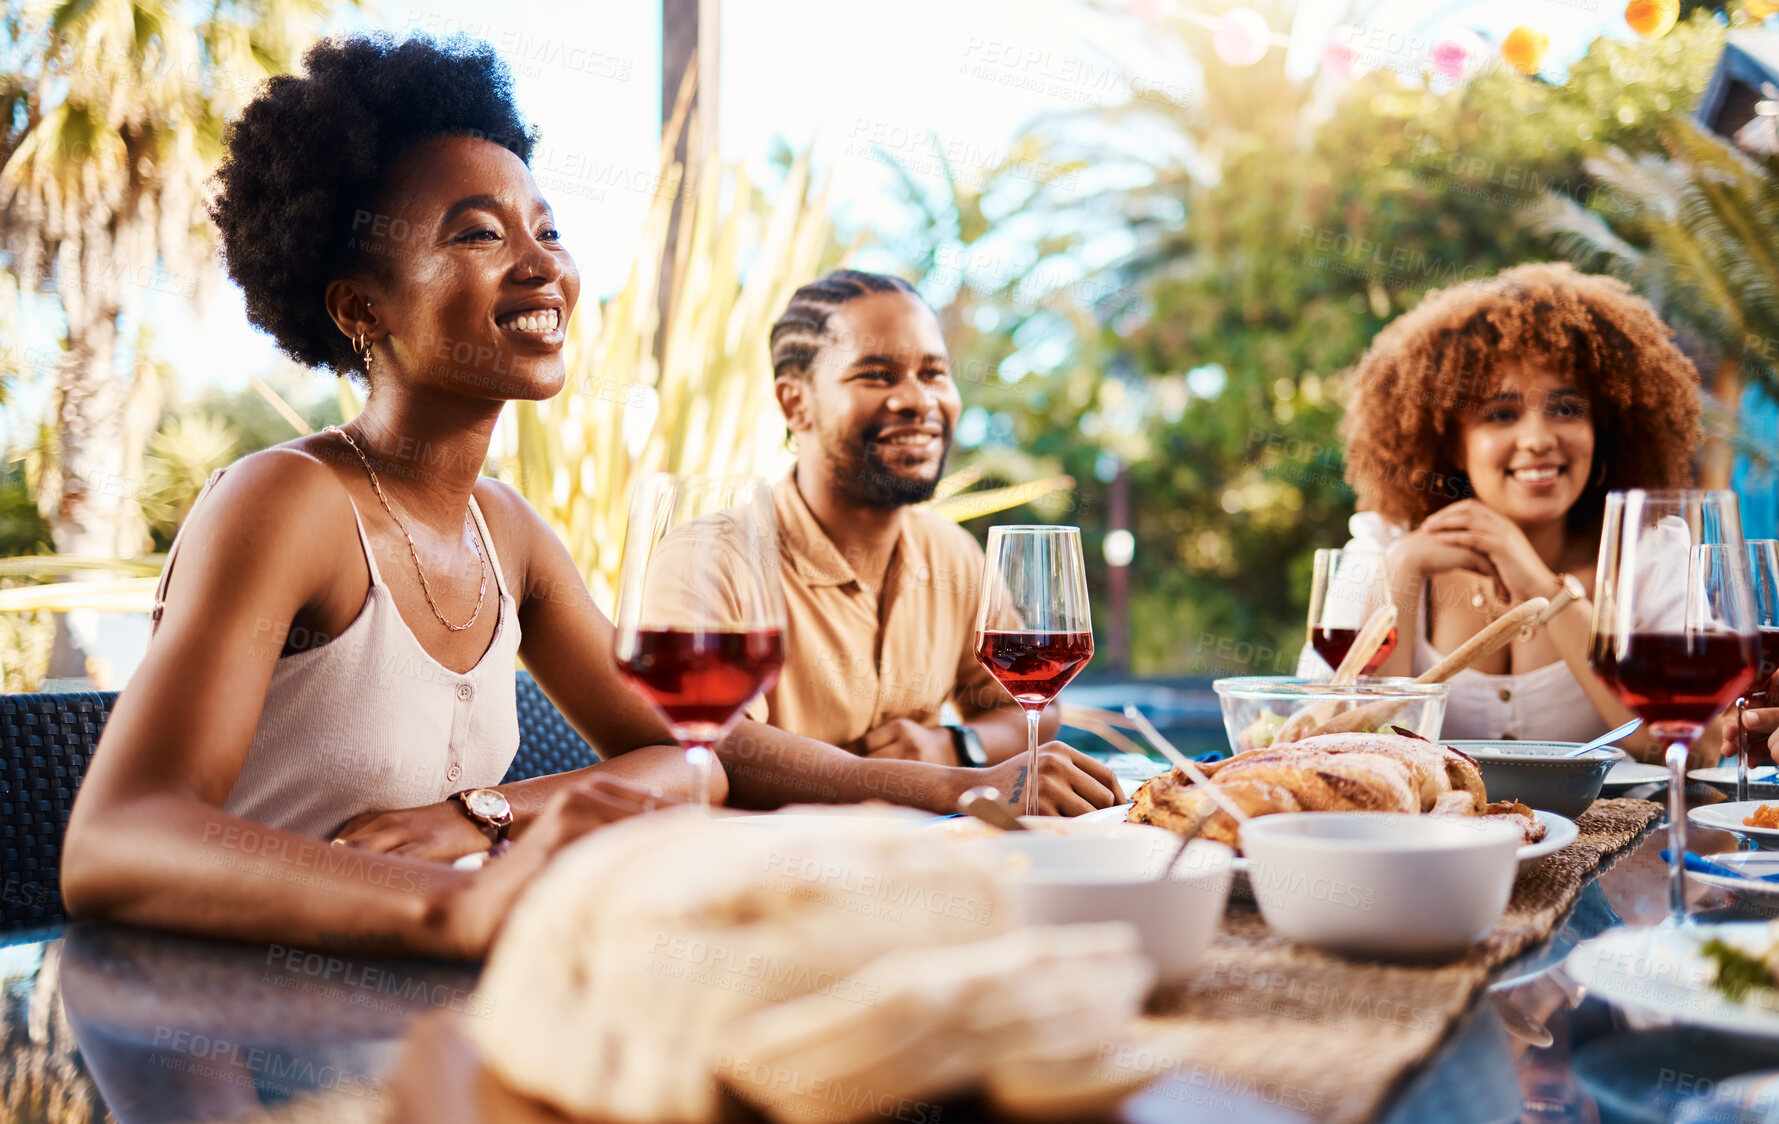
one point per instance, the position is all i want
(856, 659)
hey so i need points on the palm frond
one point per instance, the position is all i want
(974, 505)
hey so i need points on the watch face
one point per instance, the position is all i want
(487, 804)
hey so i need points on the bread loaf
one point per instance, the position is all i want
(1326, 773)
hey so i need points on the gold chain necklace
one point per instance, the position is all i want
(475, 541)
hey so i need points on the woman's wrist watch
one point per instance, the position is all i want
(489, 809)
(1571, 590)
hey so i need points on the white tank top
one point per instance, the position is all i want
(1545, 703)
(369, 720)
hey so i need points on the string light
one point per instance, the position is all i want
(1525, 48)
(1242, 37)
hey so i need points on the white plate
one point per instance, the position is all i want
(1729, 817)
(1630, 774)
(1559, 832)
(1724, 776)
(1755, 863)
(1661, 972)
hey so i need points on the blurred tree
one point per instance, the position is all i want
(111, 118)
(1698, 233)
(1188, 308)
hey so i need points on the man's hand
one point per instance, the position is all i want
(907, 740)
(1070, 783)
(1761, 724)
(441, 832)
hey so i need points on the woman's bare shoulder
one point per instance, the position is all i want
(278, 502)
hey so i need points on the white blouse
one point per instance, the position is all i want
(1545, 703)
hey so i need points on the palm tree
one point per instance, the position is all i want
(1697, 233)
(111, 118)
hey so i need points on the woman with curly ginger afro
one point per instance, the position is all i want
(1487, 426)
(334, 651)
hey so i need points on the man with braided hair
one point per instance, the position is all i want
(880, 594)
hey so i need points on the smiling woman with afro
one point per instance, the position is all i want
(330, 686)
(1485, 429)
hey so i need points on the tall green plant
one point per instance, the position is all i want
(706, 406)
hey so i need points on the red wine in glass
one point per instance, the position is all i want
(1333, 644)
(1034, 666)
(1674, 633)
(1033, 625)
(702, 679)
(699, 630)
(1673, 678)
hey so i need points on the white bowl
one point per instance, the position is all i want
(1381, 884)
(1113, 875)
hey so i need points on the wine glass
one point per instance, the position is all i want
(1033, 629)
(701, 618)
(1763, 576)
(1348, 586)
(1673, 628)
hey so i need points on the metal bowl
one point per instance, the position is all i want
(1540, 774)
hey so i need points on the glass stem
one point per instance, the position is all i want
(698, 756)
(1676, 759)
(1031, 760)
(1741, 751)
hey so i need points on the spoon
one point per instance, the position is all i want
(1185, 764)
(1607, 738)
(984, 802)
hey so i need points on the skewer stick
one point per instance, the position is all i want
(1499, 634)
(1185, 764)
(1365, 645)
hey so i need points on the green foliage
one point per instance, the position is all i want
(23, 530)
(1326, 213)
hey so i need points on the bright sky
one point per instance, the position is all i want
(849, 78)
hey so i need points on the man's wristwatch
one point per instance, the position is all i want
(490, 811)
(968, 744)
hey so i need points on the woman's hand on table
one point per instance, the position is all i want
(1070, 783)
(440, 832)
(471, 913)
(1472, 526)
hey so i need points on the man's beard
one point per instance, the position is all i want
(866, 479)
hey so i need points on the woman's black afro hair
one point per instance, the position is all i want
(309, 157)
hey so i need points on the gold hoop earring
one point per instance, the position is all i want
(361, 346)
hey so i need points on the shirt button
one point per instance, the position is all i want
(1505, 694)
(465, 692)
(453, 773)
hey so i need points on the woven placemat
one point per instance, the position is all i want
(1331, 1038)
